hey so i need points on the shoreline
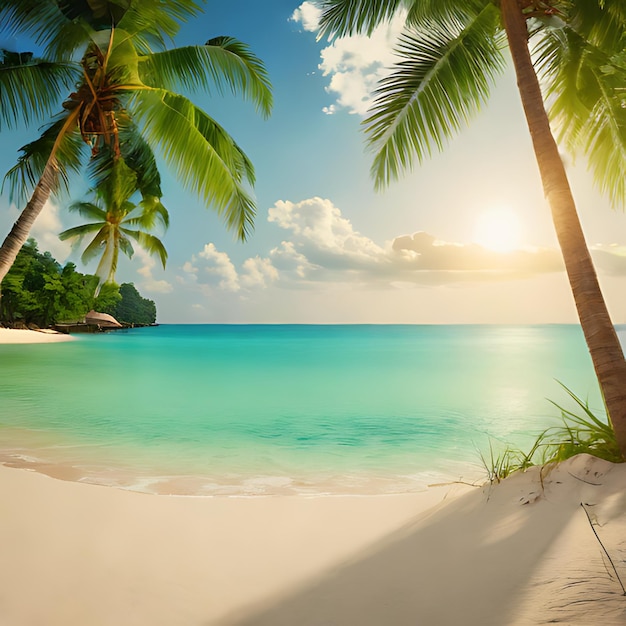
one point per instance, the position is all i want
(18, 336)
(519, 553)
(53, 455)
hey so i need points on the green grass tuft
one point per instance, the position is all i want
(499, 466)
(582, 431)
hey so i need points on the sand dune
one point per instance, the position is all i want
(519, 553)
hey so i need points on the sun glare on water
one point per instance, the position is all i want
(498, 230)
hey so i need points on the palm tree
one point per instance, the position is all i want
(117, 221)
(450, 52)
(126, 77)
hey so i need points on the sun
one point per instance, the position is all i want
(498, 230)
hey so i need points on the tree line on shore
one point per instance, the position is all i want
(39, 291)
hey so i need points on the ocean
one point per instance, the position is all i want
(271, 409)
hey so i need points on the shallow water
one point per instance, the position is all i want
(214, 409)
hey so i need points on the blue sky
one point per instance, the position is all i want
(464, 238)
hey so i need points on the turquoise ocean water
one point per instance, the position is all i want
(218, 409)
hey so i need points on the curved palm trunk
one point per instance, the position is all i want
(46, 184)
(105, 261)
(21, 229)
(114, 256)
(604, 347)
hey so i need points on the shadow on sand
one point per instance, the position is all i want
(466, 562)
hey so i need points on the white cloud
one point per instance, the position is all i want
(324, 236)
(189, 268)
(221, 267)
(354, 64)
(325, 247)
(211, 269)
(286, 258)
(308, 14)
(46, 231)
(258, 272)
(149, 282)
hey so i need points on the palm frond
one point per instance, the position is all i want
(115, 190)
(125, 246)
(223, 63)
(68, 39)
(139, 157)
(442, 78)
(559, 66)
(204, 157)
(584, 86)
(89, 210)
(78, 232)
(126, 208)
(31, 88)
(161, 213)
(22, 177)
(151, 244)
(601, 24)
(239, 214)
(39, 19)
(152, 212)
(348, 17)
(63, 27)
(229, 151)
(100, 14)
(604, 141)
(150, 22)
(427, 11)
(96, 245)
(617, 10)
(136, 154)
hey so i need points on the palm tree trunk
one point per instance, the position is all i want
(47, 183)
(21, 229)
(604, 347)
(108, 256)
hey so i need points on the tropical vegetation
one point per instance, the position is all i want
(131, 308)
(117, 221)
(449, 55)
(40, 291)
(122, 94)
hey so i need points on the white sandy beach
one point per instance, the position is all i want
(518, 553)
(521, 553)
(11, 335)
